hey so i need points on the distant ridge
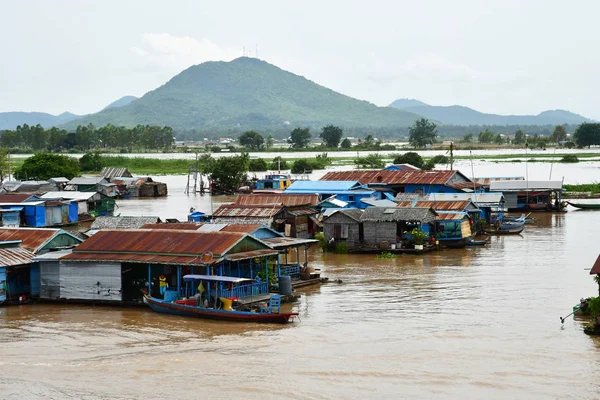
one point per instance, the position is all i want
(247, 93)
(460, 115)
(123, 101)
(10, 120)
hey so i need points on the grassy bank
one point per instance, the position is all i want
(593, 188)
(149, 166)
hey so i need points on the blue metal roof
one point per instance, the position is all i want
(324, 187)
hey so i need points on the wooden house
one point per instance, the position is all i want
(385, 226)
(344, 226)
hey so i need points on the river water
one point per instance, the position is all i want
(455, 324)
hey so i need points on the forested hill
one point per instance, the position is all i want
(250, 94)
(460, 115)
(10, 120)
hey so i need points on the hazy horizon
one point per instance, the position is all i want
(505, 58)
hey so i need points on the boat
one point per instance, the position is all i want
(523, 217)
(193, 306)
(592, 330)
(506, 228)
(585, 206)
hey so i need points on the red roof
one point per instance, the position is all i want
(404, 177)
(289, 200)
(437, 205)
(182, 226)
(244, 228)
(155, 246)
(449, 216)
(32, 238)
(14, 198)
(596, 268)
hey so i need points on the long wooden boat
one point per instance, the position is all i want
(585, 206)
(185, 310)
(506, 228)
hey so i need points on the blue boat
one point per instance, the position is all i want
(204, 305)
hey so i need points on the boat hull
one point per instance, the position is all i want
(215, 314)
(584, 206)
(508, 228)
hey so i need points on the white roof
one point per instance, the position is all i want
(336, 202)
(69, 194)
(52, 255)
(372, 201)
(476, 198)
(500, 186)
(211, 227)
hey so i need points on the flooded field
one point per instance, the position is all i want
(455, 324)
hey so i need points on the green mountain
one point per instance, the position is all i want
(10, 120)
(246, 93)
(460, 115)
(123, 101)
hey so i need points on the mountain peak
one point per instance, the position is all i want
(406, 103)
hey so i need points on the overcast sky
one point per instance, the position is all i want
(504, 56)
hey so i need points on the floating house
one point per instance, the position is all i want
(139, 187)
(38, 240)
(405, 181)
(344, 226)
(15, 272)
(453, 229)
(490, 204)
(86, 201)
(60, 182)
(524, 195)
(93, 184)
(383, 227)
(115, 265)
(124, 222)
(39, 213)
(349, 191)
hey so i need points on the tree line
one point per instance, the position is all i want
(86, 137)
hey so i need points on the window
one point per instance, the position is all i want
(351, 197)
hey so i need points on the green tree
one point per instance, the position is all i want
(369, 140)
(519, 137)
(278, 164)
(4, 165)
(300, 138)
(468, 138)
(331, 135)
(498, 139)
(92, 161)
(422, 133)
(227, 174)
(486, 136)
(252, 140)
(411, 158)
(587, 134)
(302, 166)
(43, 166)
(370, 161)
(257, 164)
(346, 144)
(269, 142)
(559, 134)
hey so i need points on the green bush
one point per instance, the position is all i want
(257, 164)
(92, 162)
(385, 255)
(320, 237)
(341, 248)
(569, 158)
(302, 166)
(411, 158)
(370, 161)
(279, 163)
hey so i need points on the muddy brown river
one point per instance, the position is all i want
(481, 322)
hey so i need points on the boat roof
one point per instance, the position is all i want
(214, 278)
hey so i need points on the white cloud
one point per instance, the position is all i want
(175, 53)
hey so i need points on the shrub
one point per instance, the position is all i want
(302, 166)
(320, 236)
(92, 162)
(341, 248)
(569, 158)
(279, 163)
(257, 164)
(411, 158)
(370, 161)
(385, 255)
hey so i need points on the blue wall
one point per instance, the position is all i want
(35, 216)
(426, 189)
(73, 212)
(35, 279)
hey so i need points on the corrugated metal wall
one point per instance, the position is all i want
(49, 280)
(90, 281)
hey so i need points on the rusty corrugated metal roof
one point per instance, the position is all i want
(290, 200)
(596, 268)
(244, 228)
(303, 211)
(437, 205)
(31, 238)
(236, 211)
(464, 185)
(14, 198)
(13, 256)
(183, 226)
(169, 243)
(135, 258)
(450, 216)
(403, 177)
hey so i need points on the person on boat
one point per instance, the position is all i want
(199, 296)
(163, 284)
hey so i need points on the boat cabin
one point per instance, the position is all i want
(207, 289)
(274, 182)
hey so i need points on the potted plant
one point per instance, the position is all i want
(420, 237)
